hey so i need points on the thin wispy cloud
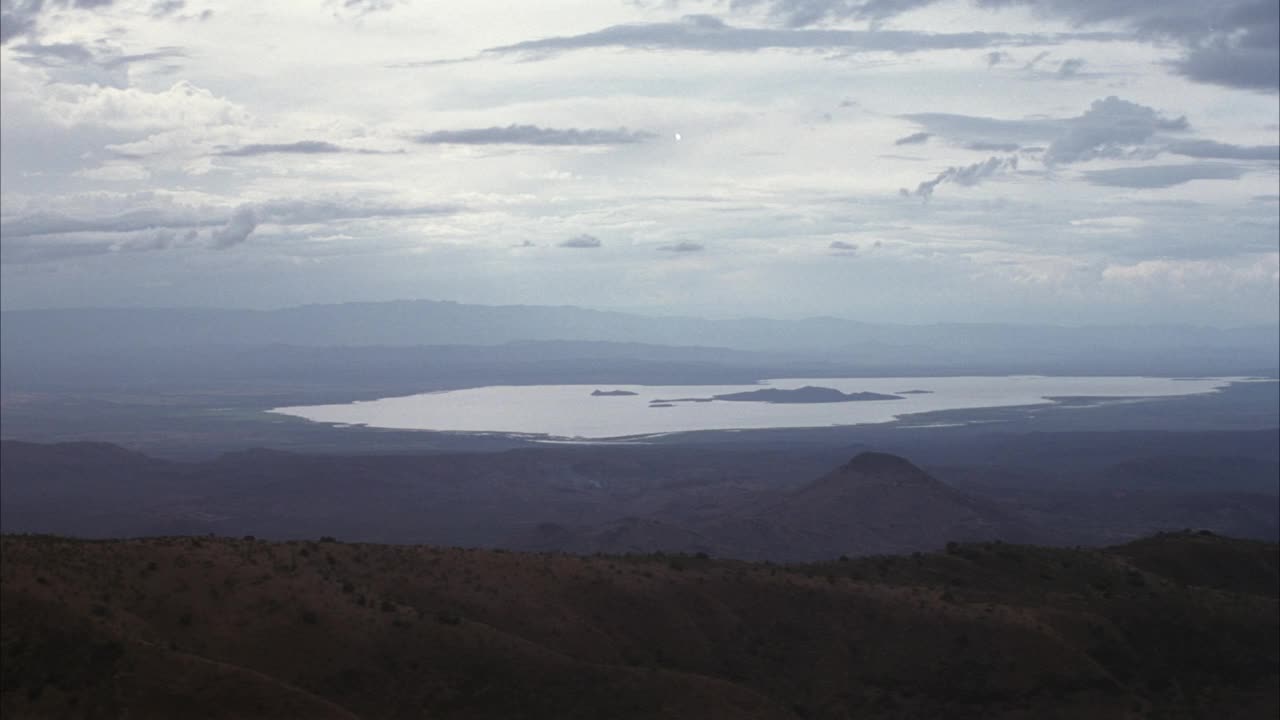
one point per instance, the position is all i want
(534, 135)
(705, 33)
(1161, 176)
(301, 147)
(965, 175)
(913, 139)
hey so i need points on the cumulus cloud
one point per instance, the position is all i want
(1106, 129)
(966, 175)
(1161, 176)
(1070, 67)
(683, 246)
(1110, 128)
(913, 139)
(1259, 268)
(534, 135)
(581, 241)
(182, 105)
(240, 225)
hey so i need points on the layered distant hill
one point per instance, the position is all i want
(875, 503)
(104, 333)
(767, 503)
(1176, 626)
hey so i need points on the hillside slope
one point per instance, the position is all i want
(215, 627)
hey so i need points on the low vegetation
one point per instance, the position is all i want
(1176, 626)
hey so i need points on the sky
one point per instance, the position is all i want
(916, 161)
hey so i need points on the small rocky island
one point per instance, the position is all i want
(612, 393)
(806, 394)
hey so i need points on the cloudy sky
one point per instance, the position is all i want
(1064, 161)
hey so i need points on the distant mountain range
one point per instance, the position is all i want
(986, 347)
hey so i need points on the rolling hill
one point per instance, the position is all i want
(1177, 626)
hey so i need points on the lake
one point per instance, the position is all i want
(572, 412)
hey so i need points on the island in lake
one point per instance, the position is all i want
(914, 392)
(612, 393)
(806, 394)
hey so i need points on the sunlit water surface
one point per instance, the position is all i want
(570, 411)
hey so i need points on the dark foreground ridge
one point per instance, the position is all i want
(1178, 625)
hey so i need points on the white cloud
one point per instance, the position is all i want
(1264, 269)
(114, 172)
(785, 150)
(181, 105)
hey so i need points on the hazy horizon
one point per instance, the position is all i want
(652, 312)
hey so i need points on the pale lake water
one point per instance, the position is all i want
(571, 412)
